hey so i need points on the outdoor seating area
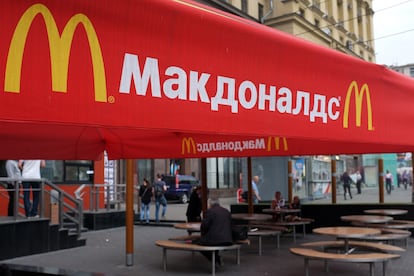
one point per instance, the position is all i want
(391, 230)
(346, 250)
(260, 227)
(350, 244)
(108, 245)
(370, 239)
(370, 258)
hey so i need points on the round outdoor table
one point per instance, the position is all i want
(250, 217)
(386, 212)
(367, 219)
(190, 226)
(281, 211)
(347, 232)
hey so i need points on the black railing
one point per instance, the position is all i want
(69, 211)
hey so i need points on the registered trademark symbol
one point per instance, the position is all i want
(111, 99)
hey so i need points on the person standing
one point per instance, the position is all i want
(3, 173)
(346, 180)
(194, 207)
(388, 182)
(145, 192)
(215, 229)
(13, 171)
(159, 190)
(255, 189)
(405, 179)
(31, 169)
(358, 182)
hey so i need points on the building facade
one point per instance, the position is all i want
(407, 69)
(343, 25)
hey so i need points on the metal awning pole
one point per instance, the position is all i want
(129, 212)
(249, 186)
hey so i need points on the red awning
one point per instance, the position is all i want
(154, 79)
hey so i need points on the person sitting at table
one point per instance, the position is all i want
(295, 204)
(278, 201)
(215, 229)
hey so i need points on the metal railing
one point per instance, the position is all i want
(113, 195)
(70, 209)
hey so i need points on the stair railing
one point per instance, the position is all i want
(69, 208)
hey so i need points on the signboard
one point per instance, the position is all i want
(169, 79)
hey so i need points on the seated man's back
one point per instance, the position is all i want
(216, 225)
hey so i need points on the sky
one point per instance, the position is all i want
(394, 31)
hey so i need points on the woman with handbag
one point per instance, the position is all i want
(145, 192)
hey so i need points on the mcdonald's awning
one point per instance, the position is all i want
(178, 79)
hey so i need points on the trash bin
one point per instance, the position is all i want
(54, 207)
(51, 206)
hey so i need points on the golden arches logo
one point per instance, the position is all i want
(60, 46)
(188, 145)
(277, 141)
(359, 96)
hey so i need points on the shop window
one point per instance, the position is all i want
(69, 171)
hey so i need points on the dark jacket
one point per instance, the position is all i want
(159, 189)
(194, 207)
(216, 226)
(346, 179)
(145, 195)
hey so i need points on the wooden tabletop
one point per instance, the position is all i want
(250, 217)
(386, 212)
(347, 232)
(281, 210)
(194, 226)
(367, 218)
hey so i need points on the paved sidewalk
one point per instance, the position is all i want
(105, 253)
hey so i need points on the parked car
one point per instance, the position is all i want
(179, 187)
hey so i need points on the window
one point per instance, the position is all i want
(144, 170)
(260, 11)
(244, 6)
(68, 171)
(411, 71)
(223, 173)
(317, 23)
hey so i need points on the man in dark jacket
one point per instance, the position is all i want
(194, 207)
(346, 180)
(216, 228)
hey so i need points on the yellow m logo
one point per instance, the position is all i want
(277, 141)
(187, 145)
(359, 96)
(59, 51)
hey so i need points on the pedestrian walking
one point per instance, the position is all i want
(346, 180)
(388, 182)
(145, 192)
(159, 193)
(358, 182)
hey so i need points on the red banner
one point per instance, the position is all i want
(177, 79)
